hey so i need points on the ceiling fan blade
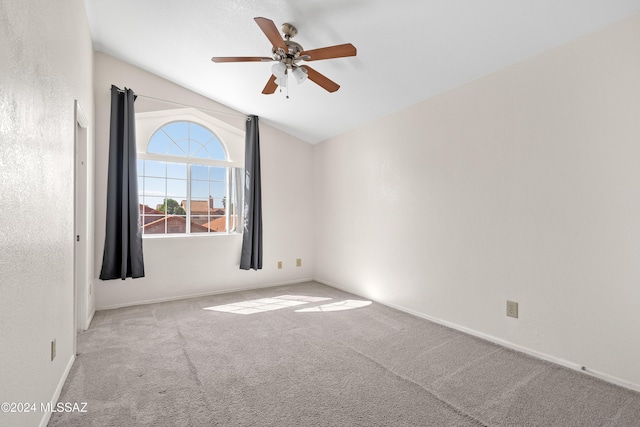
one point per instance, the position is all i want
(271, 31)
(338, 51)
(321, 80)
(219, 59)
(271, 86)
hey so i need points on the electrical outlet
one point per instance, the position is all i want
(299, 262)
(53, 350)
(279, 264)
(512, 309)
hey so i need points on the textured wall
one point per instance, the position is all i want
(46, 63)
(521, 185)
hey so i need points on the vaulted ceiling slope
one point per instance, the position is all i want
(407, 50)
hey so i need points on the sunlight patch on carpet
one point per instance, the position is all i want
(265, 304)
(348, 304)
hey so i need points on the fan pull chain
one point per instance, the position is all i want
(286, 76)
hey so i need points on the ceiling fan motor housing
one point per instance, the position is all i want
(292, 54)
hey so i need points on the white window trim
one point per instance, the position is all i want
(231, 138)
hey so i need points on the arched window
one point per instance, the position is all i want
(187, 139)
(188, 182)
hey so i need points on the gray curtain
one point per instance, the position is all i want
(122, 256)
(251, 257)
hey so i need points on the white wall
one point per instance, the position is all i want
(46, 64)
(521, 185)
(187, 266)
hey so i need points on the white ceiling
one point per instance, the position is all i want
(408, 50)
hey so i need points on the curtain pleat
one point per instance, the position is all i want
(122, 256)
(251, 257)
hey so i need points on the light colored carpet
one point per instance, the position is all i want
(177, 364)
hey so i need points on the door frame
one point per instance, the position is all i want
(80, 221)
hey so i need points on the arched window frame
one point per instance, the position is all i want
(231, 139)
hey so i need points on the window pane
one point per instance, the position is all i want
(209, 146)
(152, 202)
(218, 224)
(179, 148)
(176, 130)
(177, 170)
(199, 132)
(154, 186)
(200, 209)
(198, 151)
(153, 218)
(215, 149)
(154, 224)
(159, 143)
(218, 173)
(199, 189)
(154, 168)
(176, 224)
(176, 207)
(176, 188)
(199, 225)
(218, 191)
(199, 172)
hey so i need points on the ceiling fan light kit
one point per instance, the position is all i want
(288, 54)
(300, 73)
(279, 69)
(282, 81)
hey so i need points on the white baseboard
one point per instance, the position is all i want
(203, 294)
(56, 395)
(90, 319)
(539, 355)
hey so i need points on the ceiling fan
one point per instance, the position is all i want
(287, 54)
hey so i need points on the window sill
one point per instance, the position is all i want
(187, 236)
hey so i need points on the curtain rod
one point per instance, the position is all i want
(186, 105)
